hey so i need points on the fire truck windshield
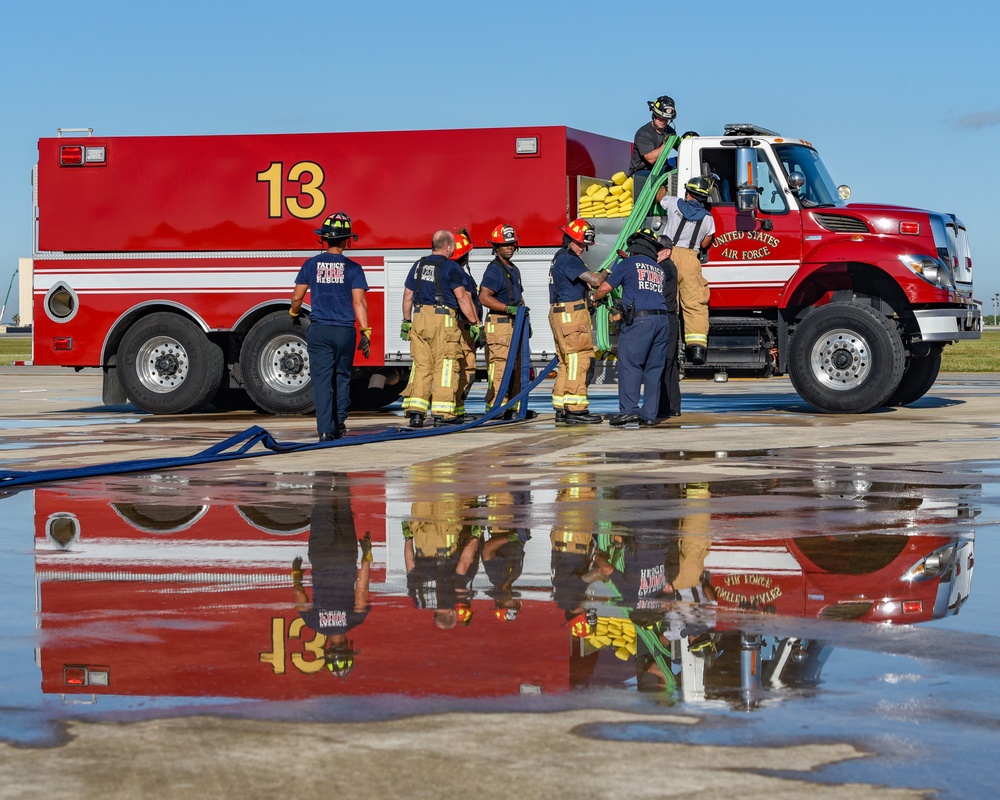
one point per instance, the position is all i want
(819, 188)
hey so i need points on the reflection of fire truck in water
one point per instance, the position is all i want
(167, 592)
(912, 561)
(148, 587)
(167, 261)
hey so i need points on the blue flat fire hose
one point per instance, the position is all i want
(242, 444)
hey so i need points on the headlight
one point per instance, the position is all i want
(932, 565)
(930, 269)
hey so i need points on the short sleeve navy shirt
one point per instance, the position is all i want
(331, 279)
(641, 279)
(494, 280)
(450, 276)
(565, 285)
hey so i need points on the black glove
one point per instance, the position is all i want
(365, 344)
(297, 570)
(296, 320)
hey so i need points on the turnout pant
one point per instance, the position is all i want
(570, 323)
(692, 296)
(436, 350)
(466, 369)
(331, 359)
(499, 329)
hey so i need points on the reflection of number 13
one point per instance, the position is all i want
(308, 175)
(276, 657)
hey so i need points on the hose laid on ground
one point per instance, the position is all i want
(242, 444)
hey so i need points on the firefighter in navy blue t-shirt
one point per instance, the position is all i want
(643, 340)
(435, 304)
(340, 587)
(336, 287)
(569, 283)
(502, 293)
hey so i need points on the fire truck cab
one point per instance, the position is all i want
(854, 302)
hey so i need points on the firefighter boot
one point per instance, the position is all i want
(582, 418)
(697, 354)
(416, 419)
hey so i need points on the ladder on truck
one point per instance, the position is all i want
(658, 177)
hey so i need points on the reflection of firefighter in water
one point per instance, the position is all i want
(572, 549)
(441, 554)
(340, 586)
(503, 551)
(657, 572)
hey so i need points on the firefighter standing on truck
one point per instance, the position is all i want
(569, 318)
(336, 287)
(645, 330)
(502, 293)
(690, 226)
(435, 301)
(467, 367)
(650, 138)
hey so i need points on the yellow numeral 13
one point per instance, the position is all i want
(309, 176)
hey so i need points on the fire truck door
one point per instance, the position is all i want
(747, 269)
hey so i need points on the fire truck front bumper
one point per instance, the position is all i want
(950, 324)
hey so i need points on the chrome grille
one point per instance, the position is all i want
(839, 223)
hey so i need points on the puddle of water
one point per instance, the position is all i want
(25, 424)
(144, 595)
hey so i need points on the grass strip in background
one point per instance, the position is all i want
(14, 348)
(981, 355)
(976, 355)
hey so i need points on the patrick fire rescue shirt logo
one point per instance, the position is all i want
(329, 272)
(427, 272)
(650, 278)
(332, 619)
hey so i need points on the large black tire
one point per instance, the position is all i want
(918, 378)
(845, 358)
(274, 365)
(167, 365)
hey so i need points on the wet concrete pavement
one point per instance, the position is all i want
(818, 647)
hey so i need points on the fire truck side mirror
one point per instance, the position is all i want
(796, 180)
(747, 198)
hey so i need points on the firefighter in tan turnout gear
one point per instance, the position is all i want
(435, 303)
(569, 284)
(690, 227)
(501, 292)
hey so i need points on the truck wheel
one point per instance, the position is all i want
(274, 364)
(917, 380)
(845, 358)
(168, 366)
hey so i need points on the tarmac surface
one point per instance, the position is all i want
(900, 711)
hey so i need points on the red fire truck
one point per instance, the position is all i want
(146, 586)
(168, 261)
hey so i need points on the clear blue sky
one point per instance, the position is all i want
(901, 98)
